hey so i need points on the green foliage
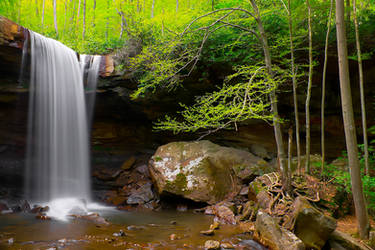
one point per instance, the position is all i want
(247, 98)
(341, 177)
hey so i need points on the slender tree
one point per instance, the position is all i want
(294, 82)
(93, 13)
(324, 86)
(309, 84)
(176, 6)
(84, 20)
(78, 13)
(349, 125)
(273, 99)
(55, 18)
(36, 9)
(361, 87)
(152, 8)
(43, 10)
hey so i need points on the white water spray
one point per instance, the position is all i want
(57, 171)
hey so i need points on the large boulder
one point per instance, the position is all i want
(339, 240)
(311, 226)
(274, 236)
(203, 171)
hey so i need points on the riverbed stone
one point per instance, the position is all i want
(211, 244)
(274, 236)
(311, 225)
(142, 195)
(203, 171)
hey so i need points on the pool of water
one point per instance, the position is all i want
(143, 230)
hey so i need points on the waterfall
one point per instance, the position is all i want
(90, 68)
(58, 139)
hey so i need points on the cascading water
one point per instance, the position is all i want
(90, 67)
(58, 150)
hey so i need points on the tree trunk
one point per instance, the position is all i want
(19, 12)
(44, 4)
(290, 148)
(176, 6)
(363, 104)
(36, 9)
(78, 12)
(93, 13)
(107, 21)
(324, 87)
(294, 82)
(308, 96)
(349, 125)
(273, 97)
(212, 4)
(348, 15)
(65, 17)
(84, 20)
(55, 18)
(152, 8)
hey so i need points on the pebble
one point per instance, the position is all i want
(226, 245)
(10, 241)
(173, 237)
(119, 234)
(173, 222)
(209, 232)
(215, 225)
(212, 244)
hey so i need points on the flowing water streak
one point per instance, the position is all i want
(57, 158)
(90, 68)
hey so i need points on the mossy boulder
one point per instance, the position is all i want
(203, 171)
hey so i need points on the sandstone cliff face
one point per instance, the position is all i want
(12, 37)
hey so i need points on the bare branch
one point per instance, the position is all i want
(215, 11)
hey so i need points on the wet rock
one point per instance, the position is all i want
(10, 241)
(339, 240)
(118, 200)
(212, 244)
(203, 171)
(244, 191)
(143, 170)
(226, 245)
(119, 234)
(209, 232)
(3, 207)
(142, 195)
(215, 225)
(16, 209)
(247, 227)
(106, 174)
(25, 206)
(274, 236)
(182, 208)
(224, 215)
(135, 228)
(42, 216)
(128, 163)
(251, 244)
(311, 226)
(173, 237)
(95, 218)
(38, 209)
